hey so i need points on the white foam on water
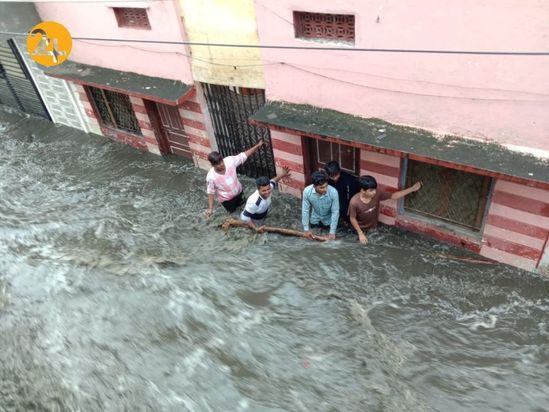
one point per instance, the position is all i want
(486, 324)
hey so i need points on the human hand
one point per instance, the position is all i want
(260, 229)
(417, 186)
(332, 236)
(363, 239)
(309, 234)
(285, 172)
(208, 213)
(260, 142)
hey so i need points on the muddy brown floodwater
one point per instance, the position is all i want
(116, 294)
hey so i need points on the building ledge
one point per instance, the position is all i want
(171, 92)
(373, 134)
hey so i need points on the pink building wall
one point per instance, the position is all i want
(499, 98)
(97, 20)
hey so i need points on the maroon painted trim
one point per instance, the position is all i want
(287, 147)
(191, 106)
(143, 124)
(198, 140)
(511, 247)
(379, 168)
(536, 207)
(193, 123)
(137, 142)
(293, 166)
(177, 102)
(139, 108)
(388, 211)
(529, 182)
(296, 184)
(517, 227)
(437, 233)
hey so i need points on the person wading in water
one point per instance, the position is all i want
(364, 206)
(223, 180)
(258, 204)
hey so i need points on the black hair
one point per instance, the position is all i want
(332, 168)
(319, 178)
(367, 182)
(262, 181)
(215, 158)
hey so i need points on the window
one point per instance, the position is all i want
(322, 152)
(334, 27)
(115, 110)
(451, 195)
(2, 72)
(135, 18)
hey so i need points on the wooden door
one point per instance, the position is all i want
(172, 128)
(322, 151)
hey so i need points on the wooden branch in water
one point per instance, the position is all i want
(230, 222)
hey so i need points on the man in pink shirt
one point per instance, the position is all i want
(222, 179)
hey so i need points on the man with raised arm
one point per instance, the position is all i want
(223, 180)
(364, 206)
(258, 204)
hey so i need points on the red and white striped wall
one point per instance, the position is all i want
(194, 122)
(386, 170)
(288, 152)
(517, 225)
(151, 144)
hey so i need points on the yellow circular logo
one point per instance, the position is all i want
(49, 43)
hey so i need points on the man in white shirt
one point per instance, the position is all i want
(259, 202)
(223, 180)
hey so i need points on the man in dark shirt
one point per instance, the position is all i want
(345, 184)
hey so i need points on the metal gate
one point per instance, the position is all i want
(230, 108)
(18, 88)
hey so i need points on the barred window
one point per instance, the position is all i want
(451, 195)
(335, 27)
(115, 110)
(132, 17)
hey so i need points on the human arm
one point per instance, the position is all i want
(401, 193)
(254, 148)
(209, 212)
(306, 215)
(335, 216)
(361, 236)
(285, 173)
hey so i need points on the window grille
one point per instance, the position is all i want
(115, 110)
(334, 27)
(348, 157)
(132, 17)
(451, 195)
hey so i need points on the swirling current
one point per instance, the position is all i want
(117, 295)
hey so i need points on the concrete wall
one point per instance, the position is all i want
(97, 20)
(223, 21)
(500, 98)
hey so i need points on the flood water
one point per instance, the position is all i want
(117, 295)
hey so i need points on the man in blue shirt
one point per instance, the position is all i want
(320, 205)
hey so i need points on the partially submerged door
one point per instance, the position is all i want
(322, 151)
(173, 131)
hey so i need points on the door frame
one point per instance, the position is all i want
(158, 129)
